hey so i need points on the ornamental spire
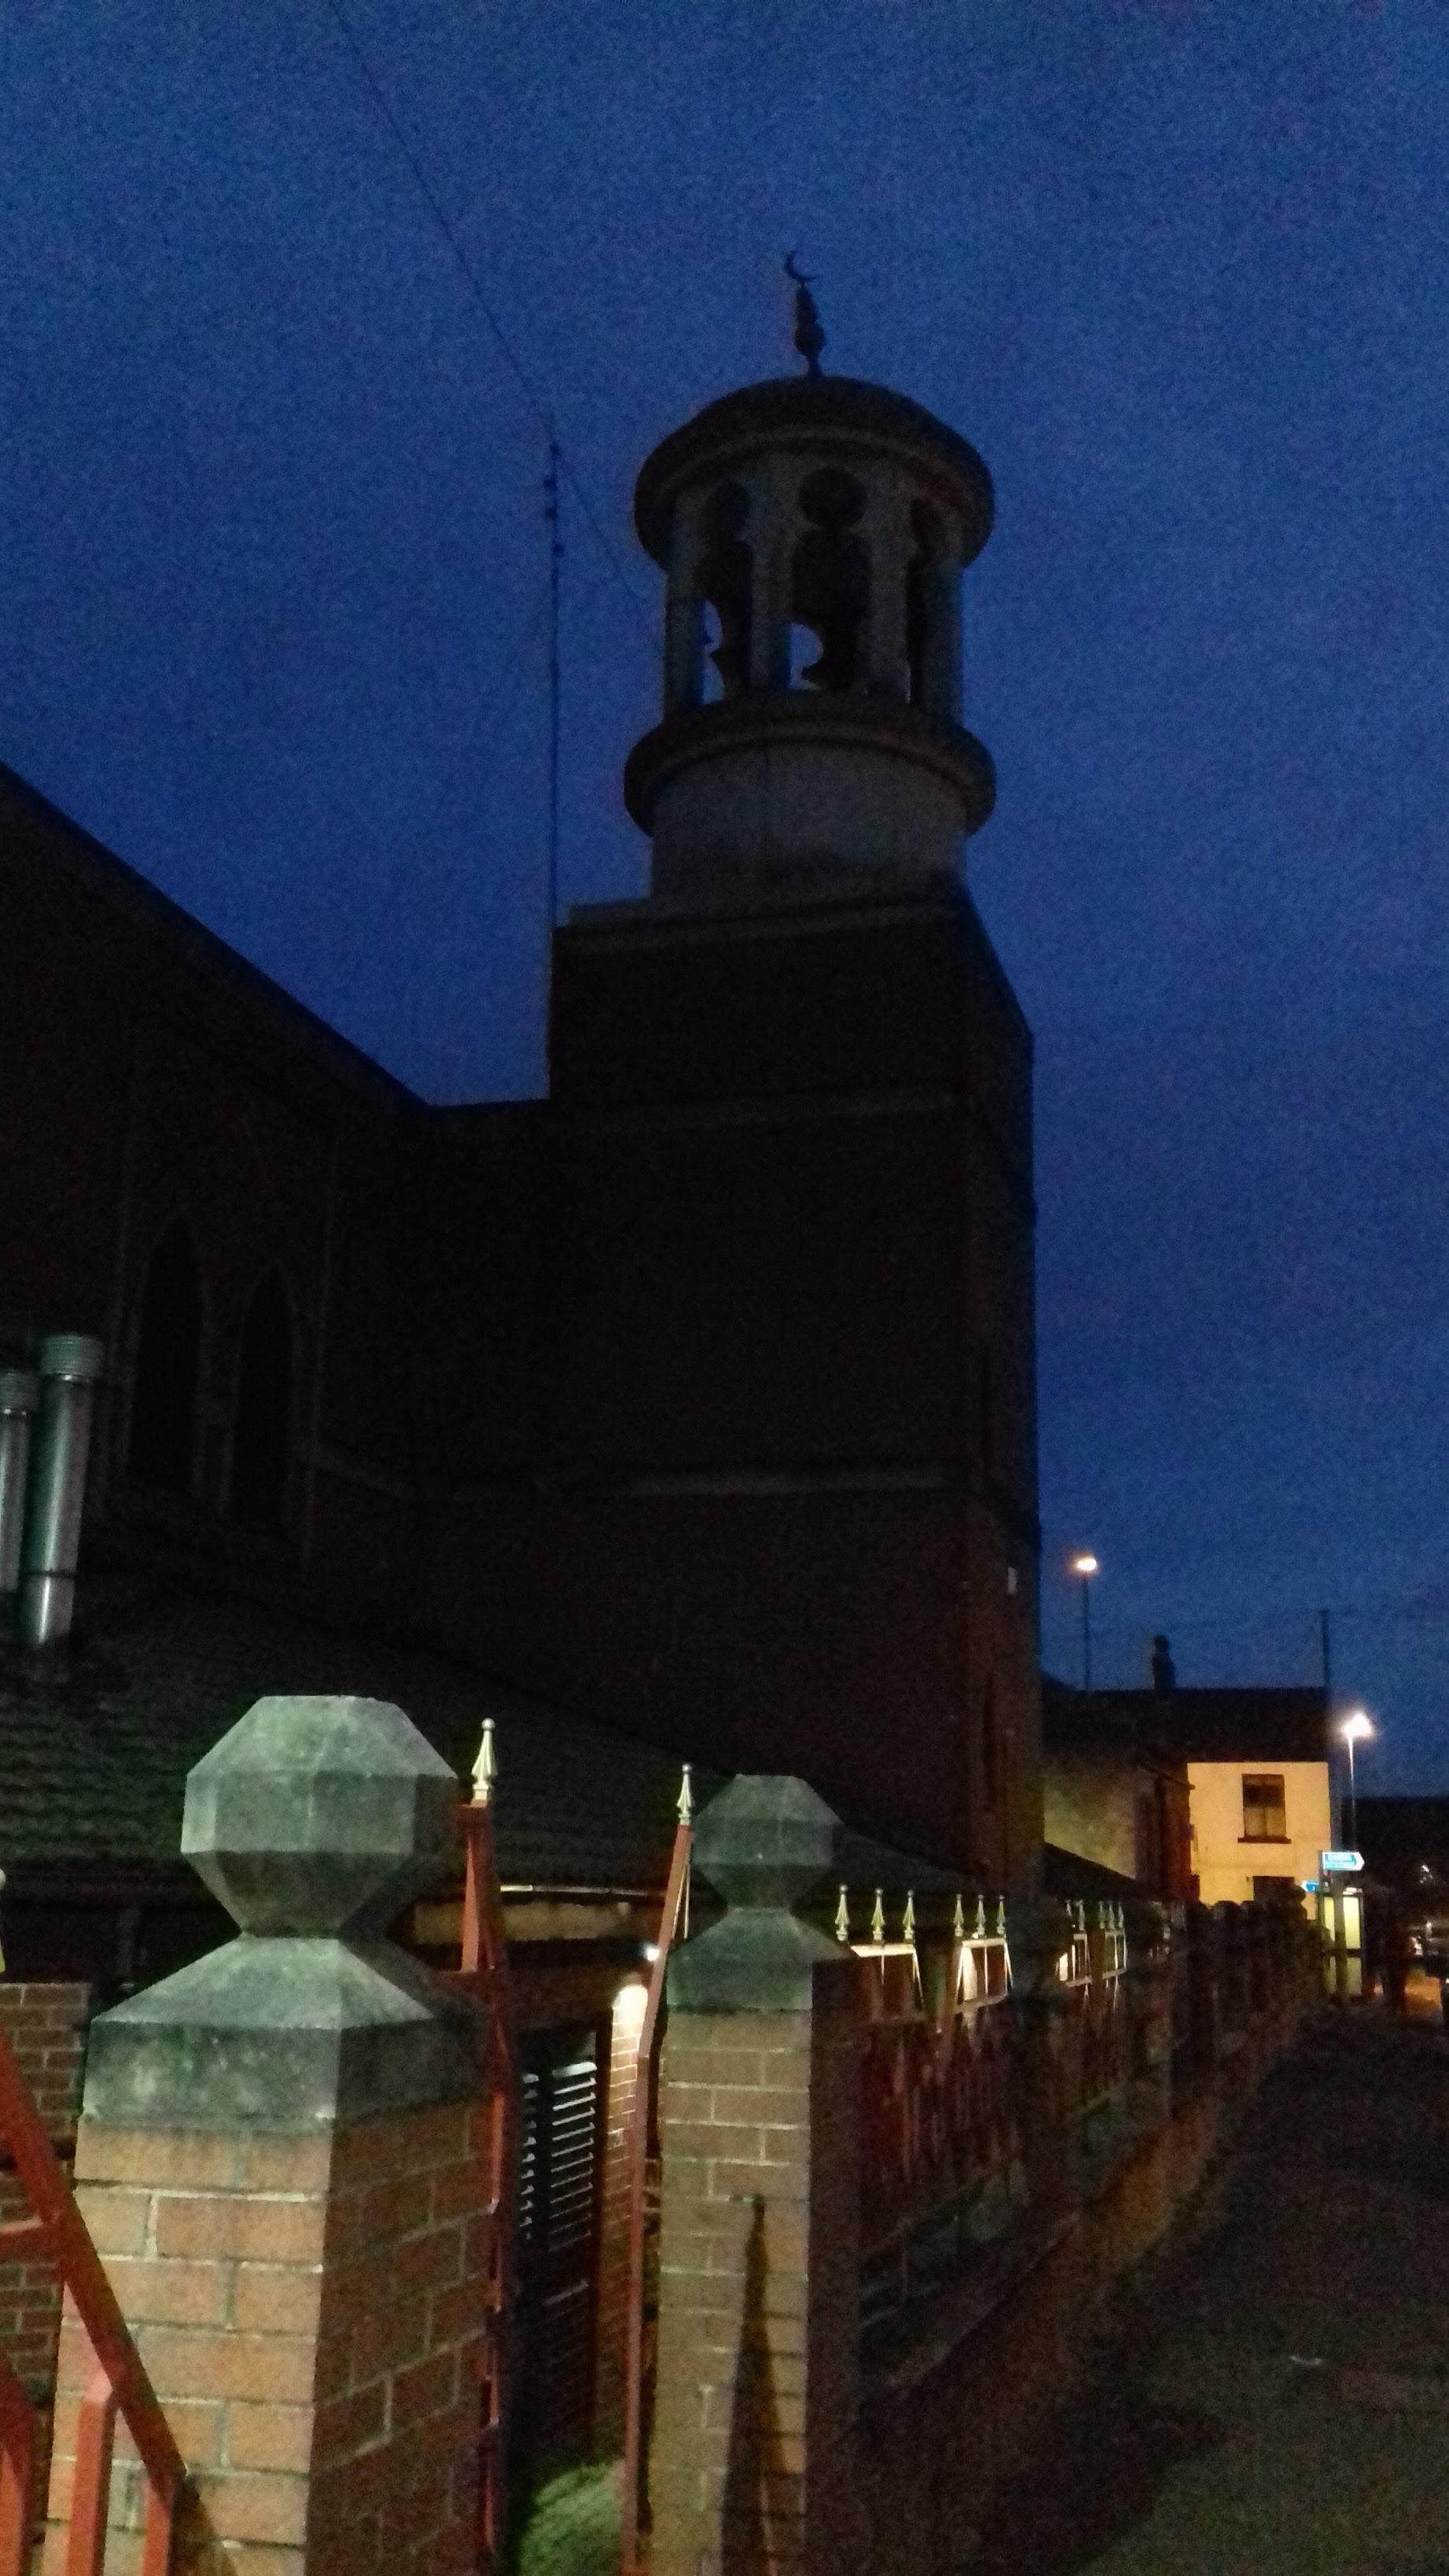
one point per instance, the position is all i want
(809, 330)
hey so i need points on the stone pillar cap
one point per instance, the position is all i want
(765, 1840)
(317, 1816)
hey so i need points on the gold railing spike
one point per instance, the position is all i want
(1001, 1918)
(978, 1928)
(485, 1769)
(685, 1809)
(842, 1916)
(877, 1920)
(908, 1919)
(958, 1923)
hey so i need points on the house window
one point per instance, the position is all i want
(165, 1388)
(262, 1434)
(1264, 1814)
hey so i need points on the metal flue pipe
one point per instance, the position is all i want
(19, 1398)
(69, 1365)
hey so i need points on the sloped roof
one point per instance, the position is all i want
(1068, 1873)
(1242, 1724)
(95, 1746)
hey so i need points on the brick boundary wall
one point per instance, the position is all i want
(783, 2440)
(612, 2312)
(308, 2309)
(46, 2026)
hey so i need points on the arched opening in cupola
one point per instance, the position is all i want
(923, 598)
(830, 582)
(725, 582)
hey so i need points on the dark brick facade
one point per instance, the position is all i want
(699, 1397)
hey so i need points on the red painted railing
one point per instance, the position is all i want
(119, 2385)
(1093, 1970)
(938, 2125)
(483, 1973)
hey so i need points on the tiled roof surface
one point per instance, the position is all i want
(1239, 1725)
(1067, 1873)
(95, 1747)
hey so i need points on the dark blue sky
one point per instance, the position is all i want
(273, 626)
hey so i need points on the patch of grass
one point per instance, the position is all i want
(571, 2525)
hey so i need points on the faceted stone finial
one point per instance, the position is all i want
(317, 1816)
(764, 1841)
(313, 1820)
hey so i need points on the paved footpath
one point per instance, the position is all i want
(1271, 2397)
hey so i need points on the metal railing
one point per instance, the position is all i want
(644, 2203)
(483, 1973)
(940, 2151)
(1093, 1968)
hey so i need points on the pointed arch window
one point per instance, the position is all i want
(166, 1386)
(262, 1428)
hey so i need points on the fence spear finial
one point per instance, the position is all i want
(1001, 1918)
(958, 1922)
(685, 1808)
(877, 1920)
(978, 1928)
(485, 1769)
(908, 1919)
(842, 1916)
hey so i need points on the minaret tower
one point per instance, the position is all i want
(789, 1443)
(813, 532)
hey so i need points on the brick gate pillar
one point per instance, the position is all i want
(1049, 2055)
(276, 2162)
(755, 2415)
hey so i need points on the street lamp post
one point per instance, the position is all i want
(1355, 1727)
(1085, 1567)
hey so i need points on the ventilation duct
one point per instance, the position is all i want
(19, 1396)
(69, 1365)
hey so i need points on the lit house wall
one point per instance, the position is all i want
(1244, 1829)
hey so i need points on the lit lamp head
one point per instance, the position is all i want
(1356, 1726)
(1085, 1566)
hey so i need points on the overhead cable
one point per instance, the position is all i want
(525, 382)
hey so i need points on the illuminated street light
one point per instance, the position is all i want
(1084, 1567)
(1353, 1729)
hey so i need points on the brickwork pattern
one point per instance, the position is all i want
(612, 2312)
(309, 2309)
(758, 2265)
(46, 2026)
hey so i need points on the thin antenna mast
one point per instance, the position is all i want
(555, 571)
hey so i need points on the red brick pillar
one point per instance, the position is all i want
(1047, 2027)
(276, 2159)
(1149, 2000)
(755, 2419)
(45, 2025)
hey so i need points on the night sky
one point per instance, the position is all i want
(274, 626)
